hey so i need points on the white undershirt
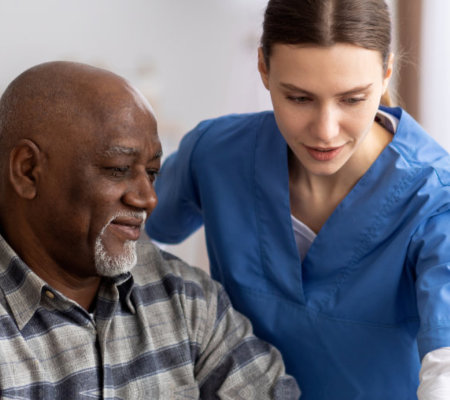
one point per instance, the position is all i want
(435, 375)
(435, 372)
(304, 236)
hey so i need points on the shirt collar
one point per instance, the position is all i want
(118, 288)
(23, 289)
(387, 120)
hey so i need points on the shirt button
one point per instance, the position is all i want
(49, 294)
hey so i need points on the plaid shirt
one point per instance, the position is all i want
(166, 331)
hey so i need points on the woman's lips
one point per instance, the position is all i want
(323, 154)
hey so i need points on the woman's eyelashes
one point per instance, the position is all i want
(353, 100)
(306, 99)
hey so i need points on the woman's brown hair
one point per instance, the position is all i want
(364, 23)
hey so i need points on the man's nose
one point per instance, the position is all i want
(141, 194)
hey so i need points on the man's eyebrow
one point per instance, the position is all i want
(120, 150)
(128, 151)
(357, 89)
(158, 155)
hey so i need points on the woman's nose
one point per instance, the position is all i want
(326, 126)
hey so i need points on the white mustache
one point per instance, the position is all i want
(142, 215)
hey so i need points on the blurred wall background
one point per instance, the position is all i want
(193, 59)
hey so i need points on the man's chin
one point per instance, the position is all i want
(111, 265)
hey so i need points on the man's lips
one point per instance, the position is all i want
(127, 227)
(323, 153)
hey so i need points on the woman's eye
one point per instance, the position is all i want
(354, 100)
(298, 99)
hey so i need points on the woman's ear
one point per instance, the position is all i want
(24, 163)
(263, 68)
(388, 73)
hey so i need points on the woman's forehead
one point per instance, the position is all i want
(340, 65)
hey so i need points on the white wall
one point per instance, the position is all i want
(435, 71)
(193, 59)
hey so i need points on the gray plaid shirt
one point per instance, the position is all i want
(166, 331)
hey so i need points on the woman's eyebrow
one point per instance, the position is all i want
(357, 89)
(354, 90)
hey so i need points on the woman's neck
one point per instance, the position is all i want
(314, 197)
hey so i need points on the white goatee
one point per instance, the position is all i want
(108, 265)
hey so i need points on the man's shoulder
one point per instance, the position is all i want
(156, 266)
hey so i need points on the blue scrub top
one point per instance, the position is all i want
(372, 295)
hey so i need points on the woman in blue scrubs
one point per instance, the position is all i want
(327, 219)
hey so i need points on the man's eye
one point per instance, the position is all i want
(152, 174)
(118, 171)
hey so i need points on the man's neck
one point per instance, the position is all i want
(81, 290)
(79, 286)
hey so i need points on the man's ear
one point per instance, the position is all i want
(24, 163)
(263, 68)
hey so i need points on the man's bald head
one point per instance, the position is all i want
(48, 98)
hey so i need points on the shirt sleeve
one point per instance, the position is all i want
(435, 375)
(178, 213)
(233, 363)
(430, 254)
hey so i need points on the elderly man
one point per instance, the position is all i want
(85, 311)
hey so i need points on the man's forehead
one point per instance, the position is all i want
(122, 126)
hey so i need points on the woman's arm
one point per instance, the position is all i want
(178, 213)
(430, 252)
